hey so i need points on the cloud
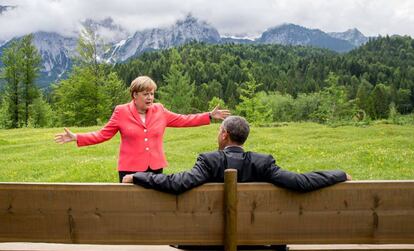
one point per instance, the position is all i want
(230, 17)
(372, 17)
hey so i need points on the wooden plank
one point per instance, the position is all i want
(230, 202)
(19, 246)
(348, 213)
(83, 247)
(108, 214)
(352, 247)
(352, 212)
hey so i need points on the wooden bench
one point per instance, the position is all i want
(358, 212)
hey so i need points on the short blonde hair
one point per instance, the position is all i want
(142, 83)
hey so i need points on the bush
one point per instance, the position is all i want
(40, 113)
(305, 105)
(282, 106)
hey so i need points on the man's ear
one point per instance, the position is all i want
(225, 135)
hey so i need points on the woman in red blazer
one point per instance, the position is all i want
(141, 124)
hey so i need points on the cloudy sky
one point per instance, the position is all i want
(230, 17)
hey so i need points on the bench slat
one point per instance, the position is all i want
(348, 213)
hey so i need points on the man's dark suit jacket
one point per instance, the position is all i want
(251, 167)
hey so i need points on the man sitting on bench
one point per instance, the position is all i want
(250, 166)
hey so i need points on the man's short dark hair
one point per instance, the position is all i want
(237, 127)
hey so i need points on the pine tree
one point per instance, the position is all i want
(334, 105)
(29, 72)
(380, 101)
(252, 105)
(178, 92)
(111, 94)
(362, 95)
(12, 60)
(40, 113)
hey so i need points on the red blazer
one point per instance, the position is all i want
(141, 144)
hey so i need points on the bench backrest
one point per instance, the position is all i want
(369, 212)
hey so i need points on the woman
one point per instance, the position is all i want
(142, 125)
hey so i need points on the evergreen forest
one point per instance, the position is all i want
(265, 83)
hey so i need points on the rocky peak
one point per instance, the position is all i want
(353, 36)
(183, 31)
(292, 34)
(193, 29)
(57, 52)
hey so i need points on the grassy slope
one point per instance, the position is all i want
(375, 152)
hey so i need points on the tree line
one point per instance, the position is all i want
(265, 83)
(288, 83)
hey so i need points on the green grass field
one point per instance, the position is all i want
(367, 153)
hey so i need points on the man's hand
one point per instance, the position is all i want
(219, 114)
(65, 137)
(128, 178)
(348, 177)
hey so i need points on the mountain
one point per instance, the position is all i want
(57, 50)
(354, 36)
(183, 31)
(236, 40)
(291, 34)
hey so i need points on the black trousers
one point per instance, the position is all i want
(221, 248)
(123, 173)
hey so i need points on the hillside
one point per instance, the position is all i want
(287, 69)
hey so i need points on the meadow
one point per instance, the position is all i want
(380, 151)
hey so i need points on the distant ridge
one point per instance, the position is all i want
(57, 50)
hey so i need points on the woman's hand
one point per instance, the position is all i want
(219, 114)
(66, 137)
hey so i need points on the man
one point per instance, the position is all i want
(251, 167)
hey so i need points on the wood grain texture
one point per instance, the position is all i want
(375, 212)
(230, 203)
